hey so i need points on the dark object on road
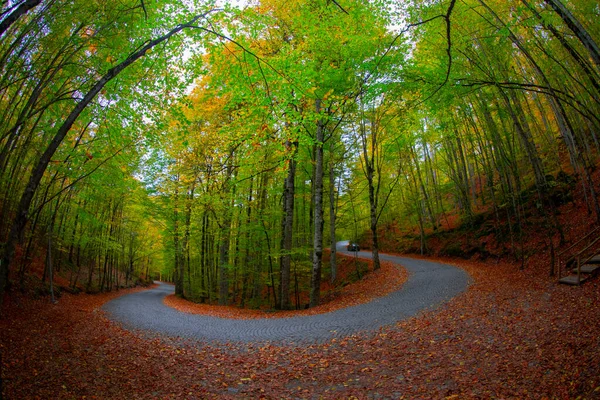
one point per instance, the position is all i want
(353, 247)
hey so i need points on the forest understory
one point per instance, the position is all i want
(357, 283)
(488, 239)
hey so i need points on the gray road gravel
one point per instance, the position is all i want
(429, 285)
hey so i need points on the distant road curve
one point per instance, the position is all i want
(429, 285)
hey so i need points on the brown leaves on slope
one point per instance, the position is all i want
(503, 338)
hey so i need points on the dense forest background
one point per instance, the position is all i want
(225, 148)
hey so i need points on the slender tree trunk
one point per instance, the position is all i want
(74, 234)
(370, 147)
(22, 9)
(49, 266)
(78, 266)
(258, 266)
(373, 221)
(578, 29)
(204, 283)
(522, 128)
(247, 262)
(423, 189)
(332, 217)
(315, 281)
(178, 271)
(287, 228)
(581, 61)
(223, 272)
(186, 234)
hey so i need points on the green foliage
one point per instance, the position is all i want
(178, 166)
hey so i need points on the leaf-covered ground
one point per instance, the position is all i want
(508, 336)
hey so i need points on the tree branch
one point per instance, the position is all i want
(144, 8)
(446, 18)
(259, 59)
(80, 178)
(340, 7)
(550, 91)
(21, 10)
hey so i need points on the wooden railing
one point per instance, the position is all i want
(577, 254)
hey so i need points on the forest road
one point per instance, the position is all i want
(428, 286)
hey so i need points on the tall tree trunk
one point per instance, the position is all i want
(315, 281)
(49, 266)
(426, 199)
(553, 98)
(258, 266)
(522, 128)
(223, 272)
(332, 216)
(74, 233)
(581, 61)
(21, 10)
(287, 226)
(369, 148)
(186, 234)
(578, 29)
(204, 277)
(178, 271)
(373, 221)
(247, 260)
(130, 258)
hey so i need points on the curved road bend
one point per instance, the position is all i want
(429, 285)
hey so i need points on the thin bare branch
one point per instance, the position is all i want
(340, 7)
(144, 8)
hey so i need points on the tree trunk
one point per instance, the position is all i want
(423, 189)
(581, 61)
(247, 260)
(186, 234)
(373, 222)
(178, 271)
(332, 217)
(522, 128)
(287, 228)
(315, 281)
(204, 281)
(22, 9)
(578, 29)
(223, 272)
(369, 149)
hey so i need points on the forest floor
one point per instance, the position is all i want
(508, 336)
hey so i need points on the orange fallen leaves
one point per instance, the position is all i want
(465, 349)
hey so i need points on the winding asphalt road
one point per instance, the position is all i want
(428, 286)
